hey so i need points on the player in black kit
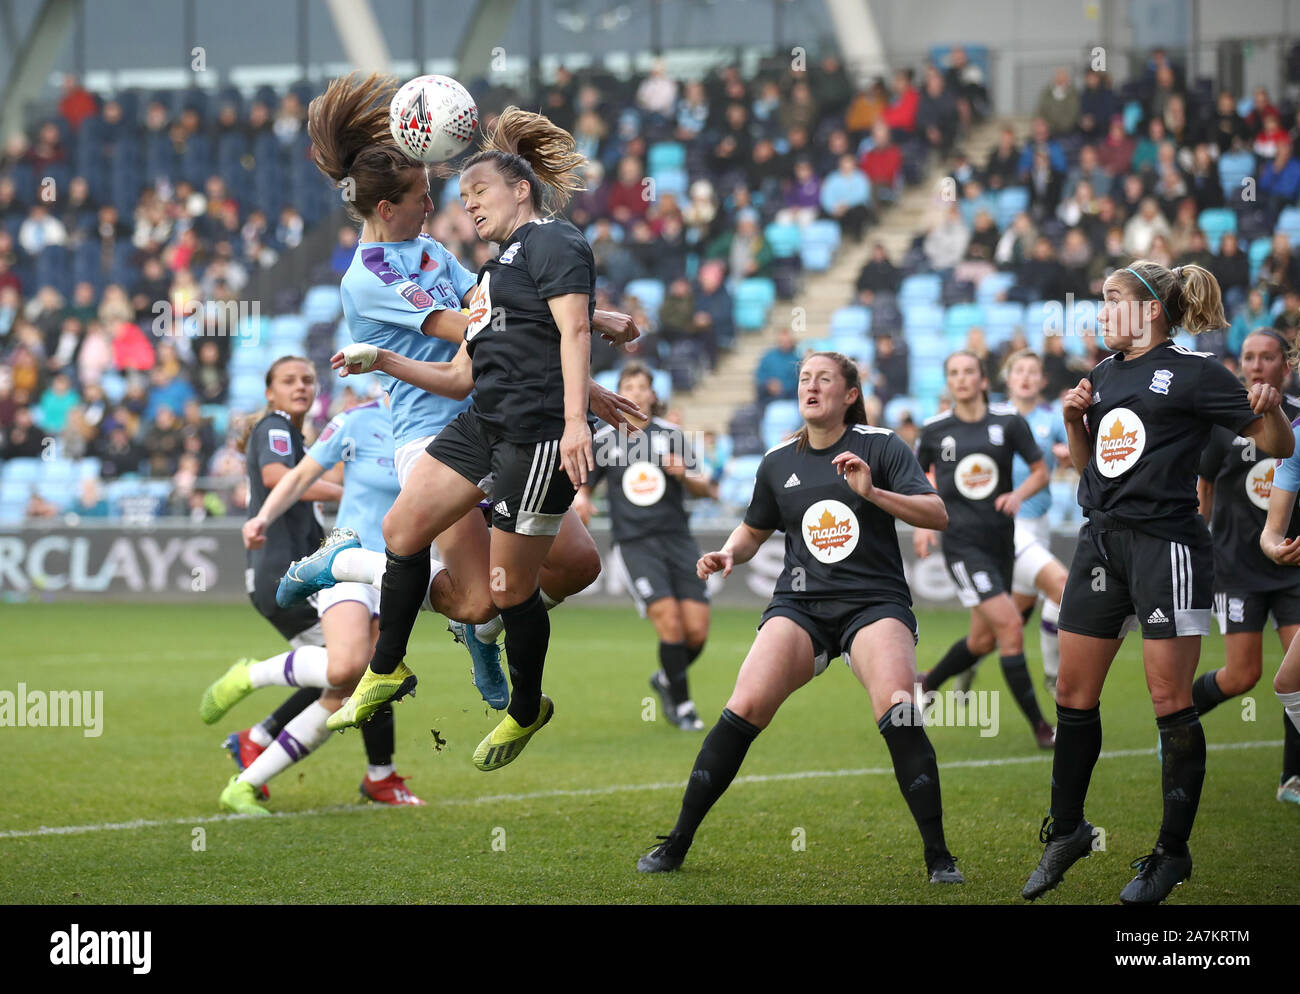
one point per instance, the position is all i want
(1236, 482)
(273, 445)
(648, 482)
(1137, 426)
(970, 450)
(835, 489)
(524, 441)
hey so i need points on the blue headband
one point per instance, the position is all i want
(1153, 293)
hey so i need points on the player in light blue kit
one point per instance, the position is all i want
(403, 293)
(1285, 550)
(361, 439)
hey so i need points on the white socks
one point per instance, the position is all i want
(490, 631)
(377, 773)
(260, 735)
(305, 666)
(300, 737)
(1291, 703)
(359, 566)
(1049, 640)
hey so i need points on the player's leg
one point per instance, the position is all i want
(434, 498)
(669, 681)
(963, 654)
(882, 655)
(572, 565)
(516, 564)
(696, 617)
(780, 661)
(1050, 582)
(1001, 614)
(347, 628)
(1287, 687)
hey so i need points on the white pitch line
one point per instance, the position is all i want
(628, 788)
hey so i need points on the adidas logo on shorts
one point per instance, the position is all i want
(792, 482)
(1158, 617)
(501, 508)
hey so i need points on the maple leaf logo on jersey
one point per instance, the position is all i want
(643, 482)
(829, 532)
(1264, 486)
(1118, 444)
(978, 476)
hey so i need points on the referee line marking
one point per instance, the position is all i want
(628, 788)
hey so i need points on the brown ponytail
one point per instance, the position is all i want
(247, 424)
(527, 146)
(348, 125)
(856, 413)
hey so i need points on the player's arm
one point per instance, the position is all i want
(570, 313)
(741, 547)
(446, 324)
(1205, 496)
(1009, 503)
(454, 379)
(615, 327)
(288, 487)
(1074, 406)
(1272, 540)
(1272, 432)
(924, 539)
(922, 510)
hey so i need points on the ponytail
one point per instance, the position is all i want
(526, 146)
(1189, 296)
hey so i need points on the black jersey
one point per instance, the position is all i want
(1149, 422)
(296, 532)
(837, 545)
(513, 339)
(643, 499)
(973, 463)
(1242, 475)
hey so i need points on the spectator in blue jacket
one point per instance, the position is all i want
(1251, 317)
(1041, 139)
(1279, 181)
(778, 371)
(846, 196)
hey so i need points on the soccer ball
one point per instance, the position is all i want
(432, 118)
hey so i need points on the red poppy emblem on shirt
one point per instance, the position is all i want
(427, 264)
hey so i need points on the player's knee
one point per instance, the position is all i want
(399, 534)
(1285, 683)
(754, 711)
(345, 669)
(1168, 699)
(584, 569)
(1239, 679)
(981, 644)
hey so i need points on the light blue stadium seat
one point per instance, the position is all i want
(921, 319)
(16, 491)
(608, 379)
(666, 155)
(1216, 222)
(1258, 251)
(12, 514)
(960, 318)
(920, 288)
(1288, 222)
(615, 231)
(752, 300)
(114, 386)
(784, 239)
(20, 470)
(61, 472)
(780, 418)
(90, 468)
(737, 483)
(859, 347)
(650, 292)
(927, 348)
(674, 181)
(820, 240)
(1233, 168)
(851, 320)
(988, 289)
(322, 303)
(1011, 201)
(288, 332)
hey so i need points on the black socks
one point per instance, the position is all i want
(1182, 773)
(401, 592)
(1206, 694)
(1016, 673)
(958, 659)
(528, 633)
(1078, 744)
(674, 657)
(1290, 749)
(715, 767)
(380, 736)
(918, 775)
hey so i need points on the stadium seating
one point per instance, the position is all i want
(753, 299)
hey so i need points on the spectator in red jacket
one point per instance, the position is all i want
(131, 348)
(900, 115)
(628, 198)
(77, 103)
(884, 162)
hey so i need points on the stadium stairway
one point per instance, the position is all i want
(711, 403)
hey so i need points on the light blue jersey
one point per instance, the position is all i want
(362, 439)
(388, 292)
(1048, 427)
(1287, 474)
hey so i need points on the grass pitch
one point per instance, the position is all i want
(131, 816)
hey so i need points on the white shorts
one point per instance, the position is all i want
(315, 635)
(363, 593)
(1032, 553)
(406, 456)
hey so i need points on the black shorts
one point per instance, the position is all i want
(979, 573)
(1239, 610)
(658, 567)
(529, 488)
(832, 624)
(295, 623)
(1121, 579)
